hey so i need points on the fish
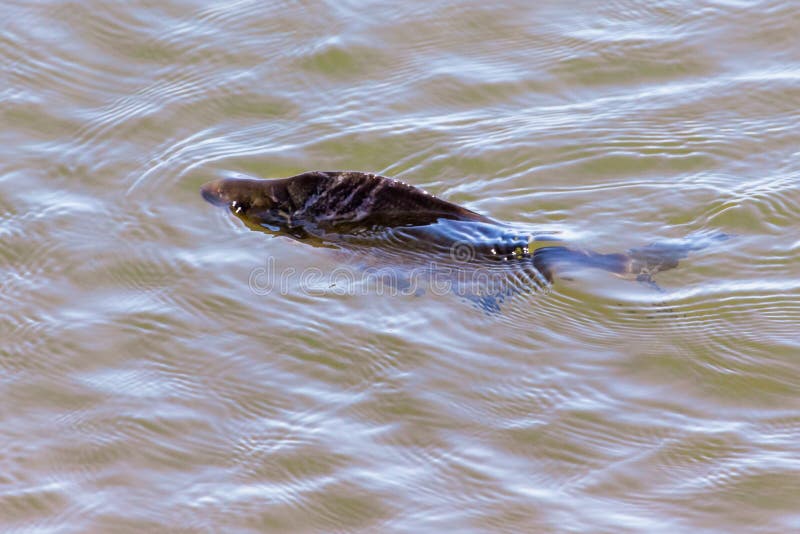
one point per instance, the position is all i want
(369, 211)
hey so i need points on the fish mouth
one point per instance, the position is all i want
(212, 193)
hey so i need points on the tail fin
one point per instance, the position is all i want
(639, 264)
(664, 255)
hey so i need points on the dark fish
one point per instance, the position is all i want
(333, 201)
(341, 206)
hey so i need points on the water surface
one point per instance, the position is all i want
(147, 383)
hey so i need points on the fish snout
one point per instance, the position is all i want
(212, 192)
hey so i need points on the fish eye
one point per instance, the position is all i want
(239, 207)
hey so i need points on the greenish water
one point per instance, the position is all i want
(150, 382)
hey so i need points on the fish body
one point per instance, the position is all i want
(363, 209)
(334, 201)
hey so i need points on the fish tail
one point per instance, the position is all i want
(639, 264)
(646, 261)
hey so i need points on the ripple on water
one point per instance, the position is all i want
(147, 386)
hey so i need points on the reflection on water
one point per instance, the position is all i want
(145, 385)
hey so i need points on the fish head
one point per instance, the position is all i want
(263, 202)
(239, 194)
(246, 197)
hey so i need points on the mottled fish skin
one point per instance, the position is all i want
(347, 203)
(328, 199)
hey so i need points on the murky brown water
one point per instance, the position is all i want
(150, 381)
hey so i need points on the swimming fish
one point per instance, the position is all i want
(351, 206)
